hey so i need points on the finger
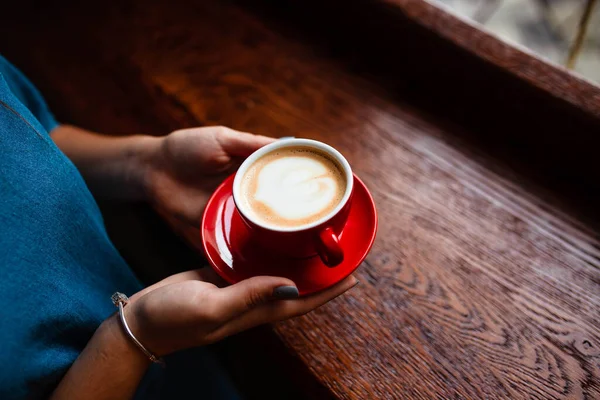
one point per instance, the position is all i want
(203, 274)
(211, 276)
(251, 293)
(279, 310)
(232, 166)
(242, 144)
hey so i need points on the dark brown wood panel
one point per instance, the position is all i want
(479, 285)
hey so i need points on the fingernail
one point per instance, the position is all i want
(286, 292)
(287, 137)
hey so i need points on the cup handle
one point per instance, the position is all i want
(329, 248)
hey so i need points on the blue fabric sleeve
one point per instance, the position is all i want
(27, 94)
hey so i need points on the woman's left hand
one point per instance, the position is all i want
(185, 167)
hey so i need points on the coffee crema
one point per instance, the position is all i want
(292, 186)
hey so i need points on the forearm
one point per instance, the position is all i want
(110, 367)
(113, 167)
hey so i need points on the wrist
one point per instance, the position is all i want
(143, 326)
(115, 344)
(146, 157)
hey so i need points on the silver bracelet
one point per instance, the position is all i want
(120, 300)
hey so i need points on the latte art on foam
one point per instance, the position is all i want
(295, 187)
(292, 187)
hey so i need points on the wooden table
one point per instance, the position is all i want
(484, 281)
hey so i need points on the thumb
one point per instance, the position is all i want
(250, 293)
(242, 144)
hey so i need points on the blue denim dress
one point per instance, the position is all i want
(58, 268)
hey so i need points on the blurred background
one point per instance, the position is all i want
(565, 32)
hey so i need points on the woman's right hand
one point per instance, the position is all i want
(190, 309)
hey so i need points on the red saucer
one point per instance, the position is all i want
(234, 256)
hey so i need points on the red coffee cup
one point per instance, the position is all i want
(319, 237)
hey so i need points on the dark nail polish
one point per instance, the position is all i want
(286, 292)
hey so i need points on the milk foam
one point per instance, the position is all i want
(292, 188)
(295, 187)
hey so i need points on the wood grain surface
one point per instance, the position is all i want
(482, 283)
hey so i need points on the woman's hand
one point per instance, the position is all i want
(182, 311)
(189, 309)
(185, 167)
(176, 173)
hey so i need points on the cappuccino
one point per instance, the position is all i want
(291, 187)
